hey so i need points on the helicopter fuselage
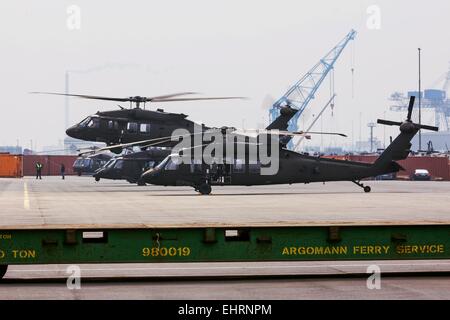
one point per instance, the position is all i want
(130, 125)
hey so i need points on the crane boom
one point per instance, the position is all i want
(302, 92)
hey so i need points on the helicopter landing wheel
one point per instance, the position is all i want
(141, 183)
(97, 179)
(204, 189)
(3, 269)
(365, 188)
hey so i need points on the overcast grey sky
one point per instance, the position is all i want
(250, 48)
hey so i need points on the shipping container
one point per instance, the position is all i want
(51, 164)
(438, 167)
(11, 165)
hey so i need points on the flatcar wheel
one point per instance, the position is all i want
(204, 189)
(367, 189)
(3, 269)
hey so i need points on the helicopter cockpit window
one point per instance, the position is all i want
(132, 127)
(110, 163)
(148, 165)
(94, 123)
(172, 164)
(84, 122)
(87, 162)
(145, 128)
(119, 164)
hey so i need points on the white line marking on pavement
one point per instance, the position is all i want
(26, 198)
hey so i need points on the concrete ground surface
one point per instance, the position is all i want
(52, 202)
(79, 201)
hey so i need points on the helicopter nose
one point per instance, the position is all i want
(72, 132)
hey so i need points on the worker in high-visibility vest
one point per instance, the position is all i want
(39, 167)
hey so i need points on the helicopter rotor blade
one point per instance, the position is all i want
(410, 107)
(85, 96)
(139, 99)
(155, 141)
(167, 96)
(289, 133)
(196, 99)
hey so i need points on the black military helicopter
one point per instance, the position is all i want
(293, 167)
(135, 123)
(89, 164)
(130, 166)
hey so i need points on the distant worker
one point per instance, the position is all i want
(39, 167)
(63, 170)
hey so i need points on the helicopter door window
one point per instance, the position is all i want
(145, 128)
(110, 124)
(132, 127)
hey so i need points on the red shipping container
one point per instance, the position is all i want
(11, 165)
(438, 167)
(51, 164)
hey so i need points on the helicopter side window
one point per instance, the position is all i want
(239, 166)
(145, 128)
(110, 124)
(132, 127)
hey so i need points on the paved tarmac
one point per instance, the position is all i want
(52, 202)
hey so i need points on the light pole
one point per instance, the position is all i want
(384, 131)
(420, 104)
(371, 125)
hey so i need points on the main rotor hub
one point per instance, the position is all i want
(407, 127)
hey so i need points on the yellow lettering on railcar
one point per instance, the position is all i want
(166, 252)
(420, 249)
(371, 249)
(5, 236)
(2, 254)
(318, 250)
(23, 253)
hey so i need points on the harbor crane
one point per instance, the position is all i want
(303, 91)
